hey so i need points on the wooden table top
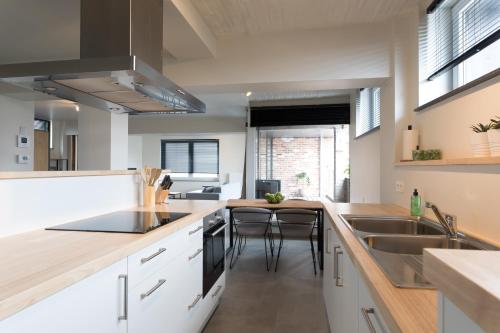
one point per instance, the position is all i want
(285, 204)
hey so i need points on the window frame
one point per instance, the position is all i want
(190, 143)
(370, 101)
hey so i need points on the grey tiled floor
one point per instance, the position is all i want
(258, 301)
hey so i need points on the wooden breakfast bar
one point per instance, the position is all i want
(285, 204)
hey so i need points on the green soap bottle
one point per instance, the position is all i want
(415, 204)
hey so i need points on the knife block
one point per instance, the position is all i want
(161, 195)
(149, 197)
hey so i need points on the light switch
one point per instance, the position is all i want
(23, 159)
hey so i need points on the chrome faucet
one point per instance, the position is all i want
(448, 221)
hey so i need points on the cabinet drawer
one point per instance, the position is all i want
(192, 235)
(154, 304)
(152, 259)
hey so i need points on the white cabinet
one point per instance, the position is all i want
(340, 284)
(454, 320)
(91, 305)
(370, 319)
(153, 304)
(159, 289)
(344, 290)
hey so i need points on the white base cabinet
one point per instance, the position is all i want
(92, 305)
(347, 300)
(454, 320)
(156, 290)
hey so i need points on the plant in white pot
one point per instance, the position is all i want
(479, 140)
(302, 179)
(494, 137)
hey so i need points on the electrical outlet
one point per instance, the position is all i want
(400, 186)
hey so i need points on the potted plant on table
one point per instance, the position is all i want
(479, 140)
(494, 137)
(302, 179)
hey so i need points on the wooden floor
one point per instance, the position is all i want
(255, 300)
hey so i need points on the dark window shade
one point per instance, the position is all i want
(206, 157)
(190, 156)
(325, 114)
(456, 30)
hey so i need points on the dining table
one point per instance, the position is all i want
(315, 205)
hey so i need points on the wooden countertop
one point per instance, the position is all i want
(470, 279)
(404, 310)
(37, 264)
(261, 203)
(56, 174)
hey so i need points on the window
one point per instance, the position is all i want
(198, 158)
(367, 110)
(462, 35)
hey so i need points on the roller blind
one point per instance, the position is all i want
(190, 156)
(458, 29)
(367, 110)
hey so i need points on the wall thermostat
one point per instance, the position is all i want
(23, 140)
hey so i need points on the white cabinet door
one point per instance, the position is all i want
(370, 319)
(192, 300)
(328, 278)
(345, 296)
(454, 320)
(91, 305)
(154, 305)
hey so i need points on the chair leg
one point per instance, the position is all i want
(271, 243)
(313, 255)
(234, 250)
(239, 244)
(265, 248)
(279, 252)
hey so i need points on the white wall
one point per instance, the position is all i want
(135, 152)
(470, 192)
(231, 155)
(53, 201)
(13, 115)
(189, 123)
(102, 140)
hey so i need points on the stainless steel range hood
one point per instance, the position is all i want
(120, 65)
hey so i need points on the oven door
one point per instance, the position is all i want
(213, 255)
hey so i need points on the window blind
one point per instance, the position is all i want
(367, 110)
(458, 29)
(175, 156)
(206, 157)
(190, 156)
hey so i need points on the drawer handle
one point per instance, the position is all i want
(124, 315)
(366, 314)
(152, 290)
(160, 251)
(196, 300)
(339, 281)
(195, 230)
(196, 254)
(216, 292)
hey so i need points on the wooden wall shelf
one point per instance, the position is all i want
(453, 161)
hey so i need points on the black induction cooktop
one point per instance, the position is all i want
(135, 222)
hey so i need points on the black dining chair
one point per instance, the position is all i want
(253, 222)
(296, 224)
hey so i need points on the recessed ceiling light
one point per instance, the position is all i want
(249, 93)
(77, 108)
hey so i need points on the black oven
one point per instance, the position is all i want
(214, 251)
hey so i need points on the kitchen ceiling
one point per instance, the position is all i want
(230, 18)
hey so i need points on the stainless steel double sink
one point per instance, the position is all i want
(396, 243)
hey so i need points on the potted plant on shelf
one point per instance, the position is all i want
(494, 137)
(479, 140)
(302, 179)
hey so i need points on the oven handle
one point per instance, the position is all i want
(222, 227)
